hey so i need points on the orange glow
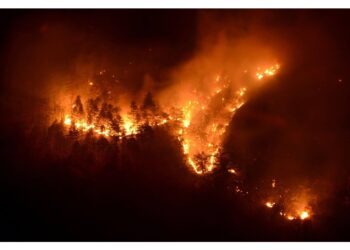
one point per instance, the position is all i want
(67, 120)
(199, 124)
(290, 217)
(269, 204)
(270, 71)
(202, 138)
(129, 126)
(304, 215)
(293, 206)
(232, 171)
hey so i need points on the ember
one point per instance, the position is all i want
(269, 204)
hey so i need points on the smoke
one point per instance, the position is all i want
(226, 47)
(290, 128)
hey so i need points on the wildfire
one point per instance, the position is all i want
(103, 119)
(232, 171)
(205, 120)
(290, 217)
(269, 204)
(270, 71)
(202, 137)
(304, 215)
(301, 214)
(82, 125)
(201, 123)
(129, 126)
(187, 115)
(199, 126)
(67, 120)
(292, 205)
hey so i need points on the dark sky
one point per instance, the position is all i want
(157, 40)
(54, 40)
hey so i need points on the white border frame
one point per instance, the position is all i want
(175, 4)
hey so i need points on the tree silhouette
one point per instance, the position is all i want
(78, 109)
(148, 102)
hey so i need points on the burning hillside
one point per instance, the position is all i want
(205, 125)
(199, 125)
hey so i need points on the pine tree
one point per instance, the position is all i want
(148, 102)
(78, 109)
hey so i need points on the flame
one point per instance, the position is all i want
(187, 116)
(270, 71)
(82, 125)
(202, 139)
(201, 123)
(290, 217)
(292, 205)
(304, 215)
(67, 120)
(129, 126)
(269, 204)
(232, 171)
(124, 126)
(185, 147)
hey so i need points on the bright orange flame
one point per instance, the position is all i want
(270, 71)
(67, 120)
(304, 215)
(104, 129)
(129, 126)
(201, 140)
(232, 171)
(269, 204)
(204, 121)
(290, 217)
